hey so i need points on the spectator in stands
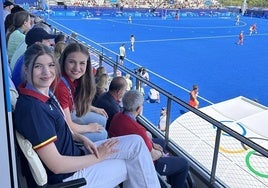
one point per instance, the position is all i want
(58, 50)
(101, 86)
(7, 7)
(124, 123)
(100, 71)
(110, 100)
(60, 38)
(39, 118)
(162, 119)
(23, 46)
(16, 32)
(75, 93)
(129, 82)
(193, 97)
(9, 17)
(35, 35)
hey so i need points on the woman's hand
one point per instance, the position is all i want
(99, 111)
(157, 147)
(94, 127)
(156, 154)
(107, 148)
(90, 146)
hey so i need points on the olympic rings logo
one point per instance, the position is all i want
(254, 153)
(251, 168)
(249, 155)
(233, 151)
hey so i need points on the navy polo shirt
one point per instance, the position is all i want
(39, 119)
(109, 104)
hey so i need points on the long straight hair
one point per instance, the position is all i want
(18, 20)
(86, 89)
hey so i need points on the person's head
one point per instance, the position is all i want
(60, 38)
(100, 71)
(163, 110)
(118, 87)
(40, 69)
(75, 61)
(195, 87)
(127, 76)
(7, 5)
(133, 102)
(22, 20)
(76, 65)
(44, 26)
(102, 82)
(16, 8)
(38, 35)
(143, 70)
(58, 49)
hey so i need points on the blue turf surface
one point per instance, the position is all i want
(190, 51)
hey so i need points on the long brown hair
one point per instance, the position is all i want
(18, 20)
(86, 88)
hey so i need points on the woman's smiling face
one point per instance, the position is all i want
(43, 72)
(75, 65)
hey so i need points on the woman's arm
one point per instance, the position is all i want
(91, 127)
(59, 164)
(99, 111)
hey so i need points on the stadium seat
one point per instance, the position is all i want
(36, 168)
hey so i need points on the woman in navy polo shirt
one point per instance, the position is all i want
(40, 119)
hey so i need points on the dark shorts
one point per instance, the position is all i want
(122, 57)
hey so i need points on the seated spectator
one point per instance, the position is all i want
(110, 100)
(39, 118)
(124, 123)
(23, 46)
(60, 38)
(58, 49)
(9, 18)
(153, 96)
(35, 35)
(102, 85)
(100, 71)
(16, 32)
(75, 93)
